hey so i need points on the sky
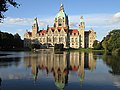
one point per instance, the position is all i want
(101, 15)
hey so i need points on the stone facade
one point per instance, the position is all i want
(60, 33)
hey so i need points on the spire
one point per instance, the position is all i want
(35, 20)
(35, 24)
(35, 27)
(81, 19)
(61, 7)
(82, 23)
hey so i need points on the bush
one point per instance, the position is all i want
(59, 47)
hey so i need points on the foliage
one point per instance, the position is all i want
(35, 46)
(116, 52)
(9, 41)
(97, 45)
(112, 41)
(4, 5)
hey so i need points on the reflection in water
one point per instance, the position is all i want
(5, 62)
(60, 65)
(114, 63)
(0, 83)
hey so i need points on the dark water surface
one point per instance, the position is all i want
(64, 71)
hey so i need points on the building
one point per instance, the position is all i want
(60, 33)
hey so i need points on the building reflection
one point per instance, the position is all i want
(60, 65)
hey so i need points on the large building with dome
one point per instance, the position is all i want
(60, 33)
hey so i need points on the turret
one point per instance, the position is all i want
(81, 31)
(82, 23)
(35, 28)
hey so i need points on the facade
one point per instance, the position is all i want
(60, 33)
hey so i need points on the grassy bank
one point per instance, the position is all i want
(84, 50)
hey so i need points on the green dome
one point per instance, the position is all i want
(60, 14)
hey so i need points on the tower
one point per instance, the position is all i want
(81, 31)
(35, 28)
(61, 19)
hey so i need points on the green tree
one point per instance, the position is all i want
(17, 36)
(112, 41)
(8, 41)
(4, 6)
(96, 45)
(17, 41)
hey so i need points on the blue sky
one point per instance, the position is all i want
(101, 15)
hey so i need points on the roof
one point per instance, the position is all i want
(74, 31)
(58, 28)
(30, 33)
(42, 32)
(90, 31)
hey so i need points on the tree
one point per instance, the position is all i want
(17, 41)
(17, 37)
(8, 41)
(96, 44)
(112, 41)
(4, 6)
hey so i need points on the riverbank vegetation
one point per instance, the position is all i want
(110, 43)
(10, 42)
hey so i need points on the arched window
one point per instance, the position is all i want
(43, 39)
(76, 39)
(59, 22)
(72, 39)
(55, 19)
(55, 39)
(49, 39)
(61, 39)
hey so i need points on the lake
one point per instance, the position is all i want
(47, 70)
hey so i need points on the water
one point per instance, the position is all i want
(59, 71)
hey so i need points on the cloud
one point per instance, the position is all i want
(18, 21)
(101, 23)
(116, 17)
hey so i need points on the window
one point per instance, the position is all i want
(76, 40)
(40, 40)
(55, 19)
(61, 39)
(55, 39)
(43, 39)
(72, 39)
(59, 22)
(49, 39)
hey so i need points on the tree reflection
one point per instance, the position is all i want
(6, 62)
(114, 63)
(60, 64)
(0, 82)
